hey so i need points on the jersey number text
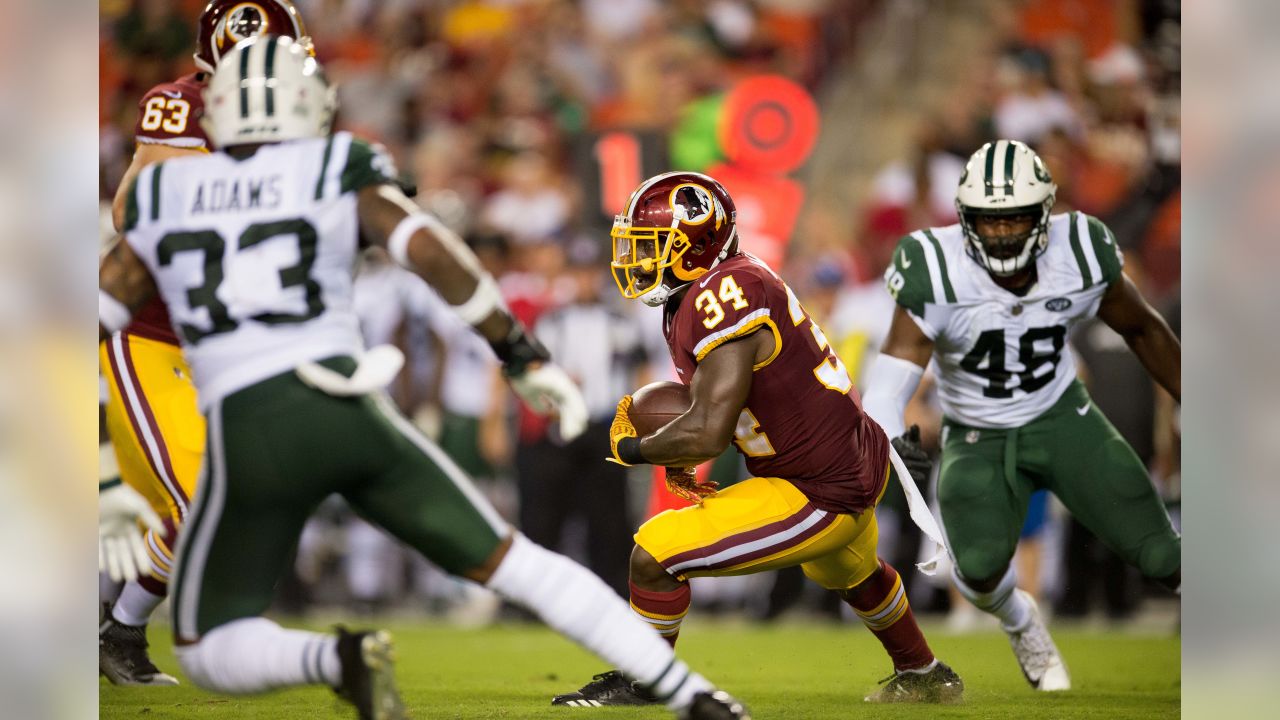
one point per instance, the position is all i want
(986, 360)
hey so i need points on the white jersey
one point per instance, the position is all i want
(1001, 358)
(254, 257)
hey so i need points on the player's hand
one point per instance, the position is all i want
(683, 482)
(547, 389)
(621, 428)
(913, 456)
(121, 552)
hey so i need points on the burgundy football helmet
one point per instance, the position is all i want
(226, 22)
(674, 228)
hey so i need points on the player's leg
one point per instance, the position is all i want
(1106, 487)
(276, 450)
(983, 498)
(427, 501)
(157, 434)
(873, 588)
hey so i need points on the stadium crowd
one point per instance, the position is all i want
(482, 104)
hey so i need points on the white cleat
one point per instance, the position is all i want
(1037, 655)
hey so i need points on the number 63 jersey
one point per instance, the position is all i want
(1002, 360)
(254, 256)
(803, 421)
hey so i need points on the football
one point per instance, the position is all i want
(656, 404)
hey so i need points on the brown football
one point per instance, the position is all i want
(656, 404)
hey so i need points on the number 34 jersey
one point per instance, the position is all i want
(254, 256)
(1002, 360)
(803, 421)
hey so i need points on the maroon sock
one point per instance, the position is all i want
(882, 604)
(664, 611)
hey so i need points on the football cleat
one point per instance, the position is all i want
(368, 674)
(1041, 663)
(610, 688)
(123, 658)
(941, 684)
(718, 705)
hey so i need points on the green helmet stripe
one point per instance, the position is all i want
(244, 85)
(270, 71)
(988, 178)
(1079, 253)
(1009, 148)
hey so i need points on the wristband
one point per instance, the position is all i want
(398, 242)
(629, 451)
(518, 350)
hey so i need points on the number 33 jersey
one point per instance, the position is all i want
(254, 256)
(1002, 360)
(803, 420)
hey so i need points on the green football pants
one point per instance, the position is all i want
(275, 451)
(1073, 451)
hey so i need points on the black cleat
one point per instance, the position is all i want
(368, 674)
(610, 688)
(939, 685)
(123, 658)
(718, 705)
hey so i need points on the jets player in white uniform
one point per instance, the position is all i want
(991, 300)
(252, 249)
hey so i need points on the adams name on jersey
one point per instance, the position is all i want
(253, 257)
(1002, 360)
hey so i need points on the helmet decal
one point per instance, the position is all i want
(243, 21)
(1042, 172)
(691, 204)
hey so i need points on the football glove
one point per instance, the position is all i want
(547, 390)
(913, 456)
(121, 552)
(683, 483)
(620, 429)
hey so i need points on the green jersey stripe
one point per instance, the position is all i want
(324, 167)
(131, 207)
(1079, 253)
(1105, 249)
(949, 292)
(155, 191)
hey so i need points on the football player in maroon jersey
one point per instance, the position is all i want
(151, 415)
(761, 375)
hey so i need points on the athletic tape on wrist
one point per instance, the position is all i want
(398, 243)
(482, 302)
(112, 314)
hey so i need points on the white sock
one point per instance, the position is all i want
(254, 655)
(135, 605)
(108, 589)
(577, 604)
(1013, 609)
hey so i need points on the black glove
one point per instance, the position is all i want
(914, 456)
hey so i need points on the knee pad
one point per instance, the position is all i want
(981, 563)
(1160, 557)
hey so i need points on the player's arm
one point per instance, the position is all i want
(894, 376)
(146, 154)
(1125, 310)
(421, 243)
(719, 392)
(124, 285)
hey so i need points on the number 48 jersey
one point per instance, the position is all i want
(254, 256)
(1002, 360)
(803, 421)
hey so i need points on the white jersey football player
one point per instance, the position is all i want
(991, 301)
(252, 249)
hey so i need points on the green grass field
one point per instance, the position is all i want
(800, 671)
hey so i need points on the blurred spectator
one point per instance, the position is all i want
(603, 351)
(155, 30)
(1031, 107)
(531, 207)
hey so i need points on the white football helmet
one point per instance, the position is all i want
(1005, 178)
(267, 89)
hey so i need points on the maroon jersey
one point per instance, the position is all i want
(803, 421)
(169, 114)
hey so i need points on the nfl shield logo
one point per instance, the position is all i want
(971, 437)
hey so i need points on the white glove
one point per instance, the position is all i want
(121, 552)
(548, 389)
